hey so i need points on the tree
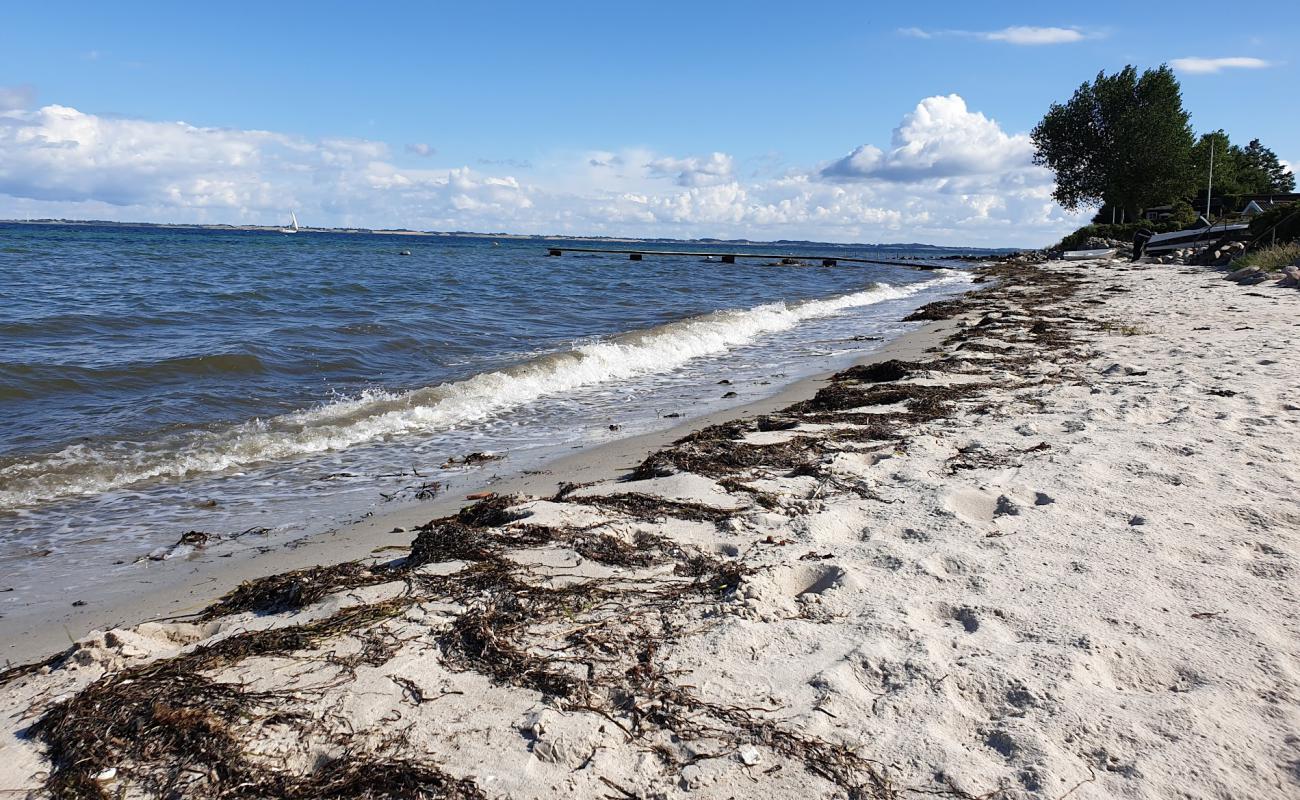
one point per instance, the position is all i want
(1123, 139)
(1229, 176)
(1264, 171)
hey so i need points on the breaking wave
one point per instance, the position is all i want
(90, 468)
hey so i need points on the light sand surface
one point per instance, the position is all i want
(1056, 559)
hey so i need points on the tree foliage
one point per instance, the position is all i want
(1122, 139)
(1265, 170)
(1253, 169)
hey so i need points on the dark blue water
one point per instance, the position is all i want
(141, 368)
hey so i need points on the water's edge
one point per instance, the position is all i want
(45, 622)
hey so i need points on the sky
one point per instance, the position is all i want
(832, 121)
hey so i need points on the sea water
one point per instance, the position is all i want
(155, 381)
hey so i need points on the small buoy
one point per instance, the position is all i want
(405, 253)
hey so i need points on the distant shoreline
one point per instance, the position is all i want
(510, 236)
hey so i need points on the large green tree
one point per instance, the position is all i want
(1253, 169)
(1264, 171)
(1229, 176)
(1123, 139)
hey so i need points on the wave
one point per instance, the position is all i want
(36, 380)
(83, 469)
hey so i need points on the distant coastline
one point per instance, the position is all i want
(511, 236)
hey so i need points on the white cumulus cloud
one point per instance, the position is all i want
(1027, 34)
(1201, 66)
(1014, 34)
(713, 169)
(950, 175)
(940, 138)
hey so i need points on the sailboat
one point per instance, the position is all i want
(293, 224)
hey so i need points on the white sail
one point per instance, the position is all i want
(293, 217)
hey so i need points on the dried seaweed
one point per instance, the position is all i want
(171, 730)
(653, 507)
(880, 371)
(289, 591)
(938, 310)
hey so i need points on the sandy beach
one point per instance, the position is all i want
(1045, 546)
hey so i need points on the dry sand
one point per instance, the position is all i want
(1056, 559)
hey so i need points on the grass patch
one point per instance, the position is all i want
(1271, 257)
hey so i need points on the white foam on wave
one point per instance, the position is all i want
(380, 415)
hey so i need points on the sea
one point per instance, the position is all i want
(157, 381)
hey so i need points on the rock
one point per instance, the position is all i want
(107, 775)
(748, 755)
(1006, 507)
(1123, 369)
(728, 394)
(551, 751)
(1137, 519)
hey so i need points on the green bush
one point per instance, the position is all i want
(1289, 231)
(1271, 257)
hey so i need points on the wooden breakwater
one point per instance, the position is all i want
(730, 258)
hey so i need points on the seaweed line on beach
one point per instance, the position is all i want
(179, 726)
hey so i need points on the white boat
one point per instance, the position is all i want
(1194, 237)
(1084, 255)
(293, 224)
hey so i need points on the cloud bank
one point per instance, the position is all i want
(1200, 66)
(949, 175)
(1015, 34)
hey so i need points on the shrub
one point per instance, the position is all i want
(1288, 231)
(1270, 258)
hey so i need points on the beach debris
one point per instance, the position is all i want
(748, 755)
(194, 538)
(650, 506)
(1137, 519)
(472, 460)
(426, 490)
(879, 371)
(1123, 369)
(480, 495)
(938, 310)
(290, 591)
(78, 603)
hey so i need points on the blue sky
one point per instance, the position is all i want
(710, 119)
